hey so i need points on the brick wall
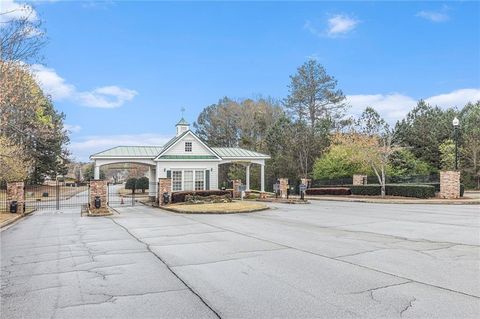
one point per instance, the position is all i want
(449, 184)
(98, 188)
(164, 186)
(358, 179)
(283, 187)
(16, 192)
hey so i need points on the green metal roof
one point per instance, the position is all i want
(131, 151)
(188, 157)
(237, 152)
(182, 122)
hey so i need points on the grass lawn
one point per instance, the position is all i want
(128, 192)
(218, 208)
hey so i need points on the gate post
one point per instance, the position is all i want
(283, 187)
(98, 187)
(236, 188)
(164, 186)
(16, 192)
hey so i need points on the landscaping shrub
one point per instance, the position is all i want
(328, 191)
(197, 199)
(405, 190)
(179, 197)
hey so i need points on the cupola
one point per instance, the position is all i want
(182, 126)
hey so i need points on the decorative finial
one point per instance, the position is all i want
(182, 110)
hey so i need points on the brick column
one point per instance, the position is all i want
(16, 192)
(449, 184)
(236, 186)
(164, 186)
(98, 187)
(283, 187)
(358, 179)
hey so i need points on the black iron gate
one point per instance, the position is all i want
(55, 195)
(3, 197)
(117, 196)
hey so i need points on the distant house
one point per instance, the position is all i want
(186, 159)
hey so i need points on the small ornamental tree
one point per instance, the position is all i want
(142, 183)
(338, 162)
(131, 184)
(370, 143)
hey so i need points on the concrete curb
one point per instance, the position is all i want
(213, 213)
(396, 201)
(13, 220)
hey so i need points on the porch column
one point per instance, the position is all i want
(248, 177)
(152, 188)
(97, 171)
(262, 177)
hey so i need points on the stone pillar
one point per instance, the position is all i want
(164, 186)
(236, 188)
(359, 179)
(16, 192)
(449, 184)
(247, 175)
(283, 187)
(98, 187)
(262, 178)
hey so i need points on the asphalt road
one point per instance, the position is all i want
(324, 260)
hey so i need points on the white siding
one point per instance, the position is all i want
(197, 147)
(211, 166)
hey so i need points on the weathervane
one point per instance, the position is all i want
(182, 110)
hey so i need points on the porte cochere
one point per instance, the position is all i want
(186, 159)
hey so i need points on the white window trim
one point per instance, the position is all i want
(194, 170)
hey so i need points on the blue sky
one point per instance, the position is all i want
(121, 71)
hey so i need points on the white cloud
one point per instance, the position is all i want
(72, 128)
(106, 97)
(456, 98)
(394, 106)
(435, 16)
(341, 24)
(11, 10)
(103, 97)
(52, 83)
(337, 25)
(88, 145)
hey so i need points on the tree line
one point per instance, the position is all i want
(33, 138)
(308, 135)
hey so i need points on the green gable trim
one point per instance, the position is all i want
(187, 157)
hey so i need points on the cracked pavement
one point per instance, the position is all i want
(323, 260)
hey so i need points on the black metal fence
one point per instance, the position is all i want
(3, 197)
(56, 195)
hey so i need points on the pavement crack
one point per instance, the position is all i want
(381, 287)
(169, 268)
(408, 306)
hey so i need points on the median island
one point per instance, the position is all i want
(217, 208)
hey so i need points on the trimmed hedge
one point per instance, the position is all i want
(404, 190)
(179, 197)
(328, 191)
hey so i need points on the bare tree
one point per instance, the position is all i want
(21, 35)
